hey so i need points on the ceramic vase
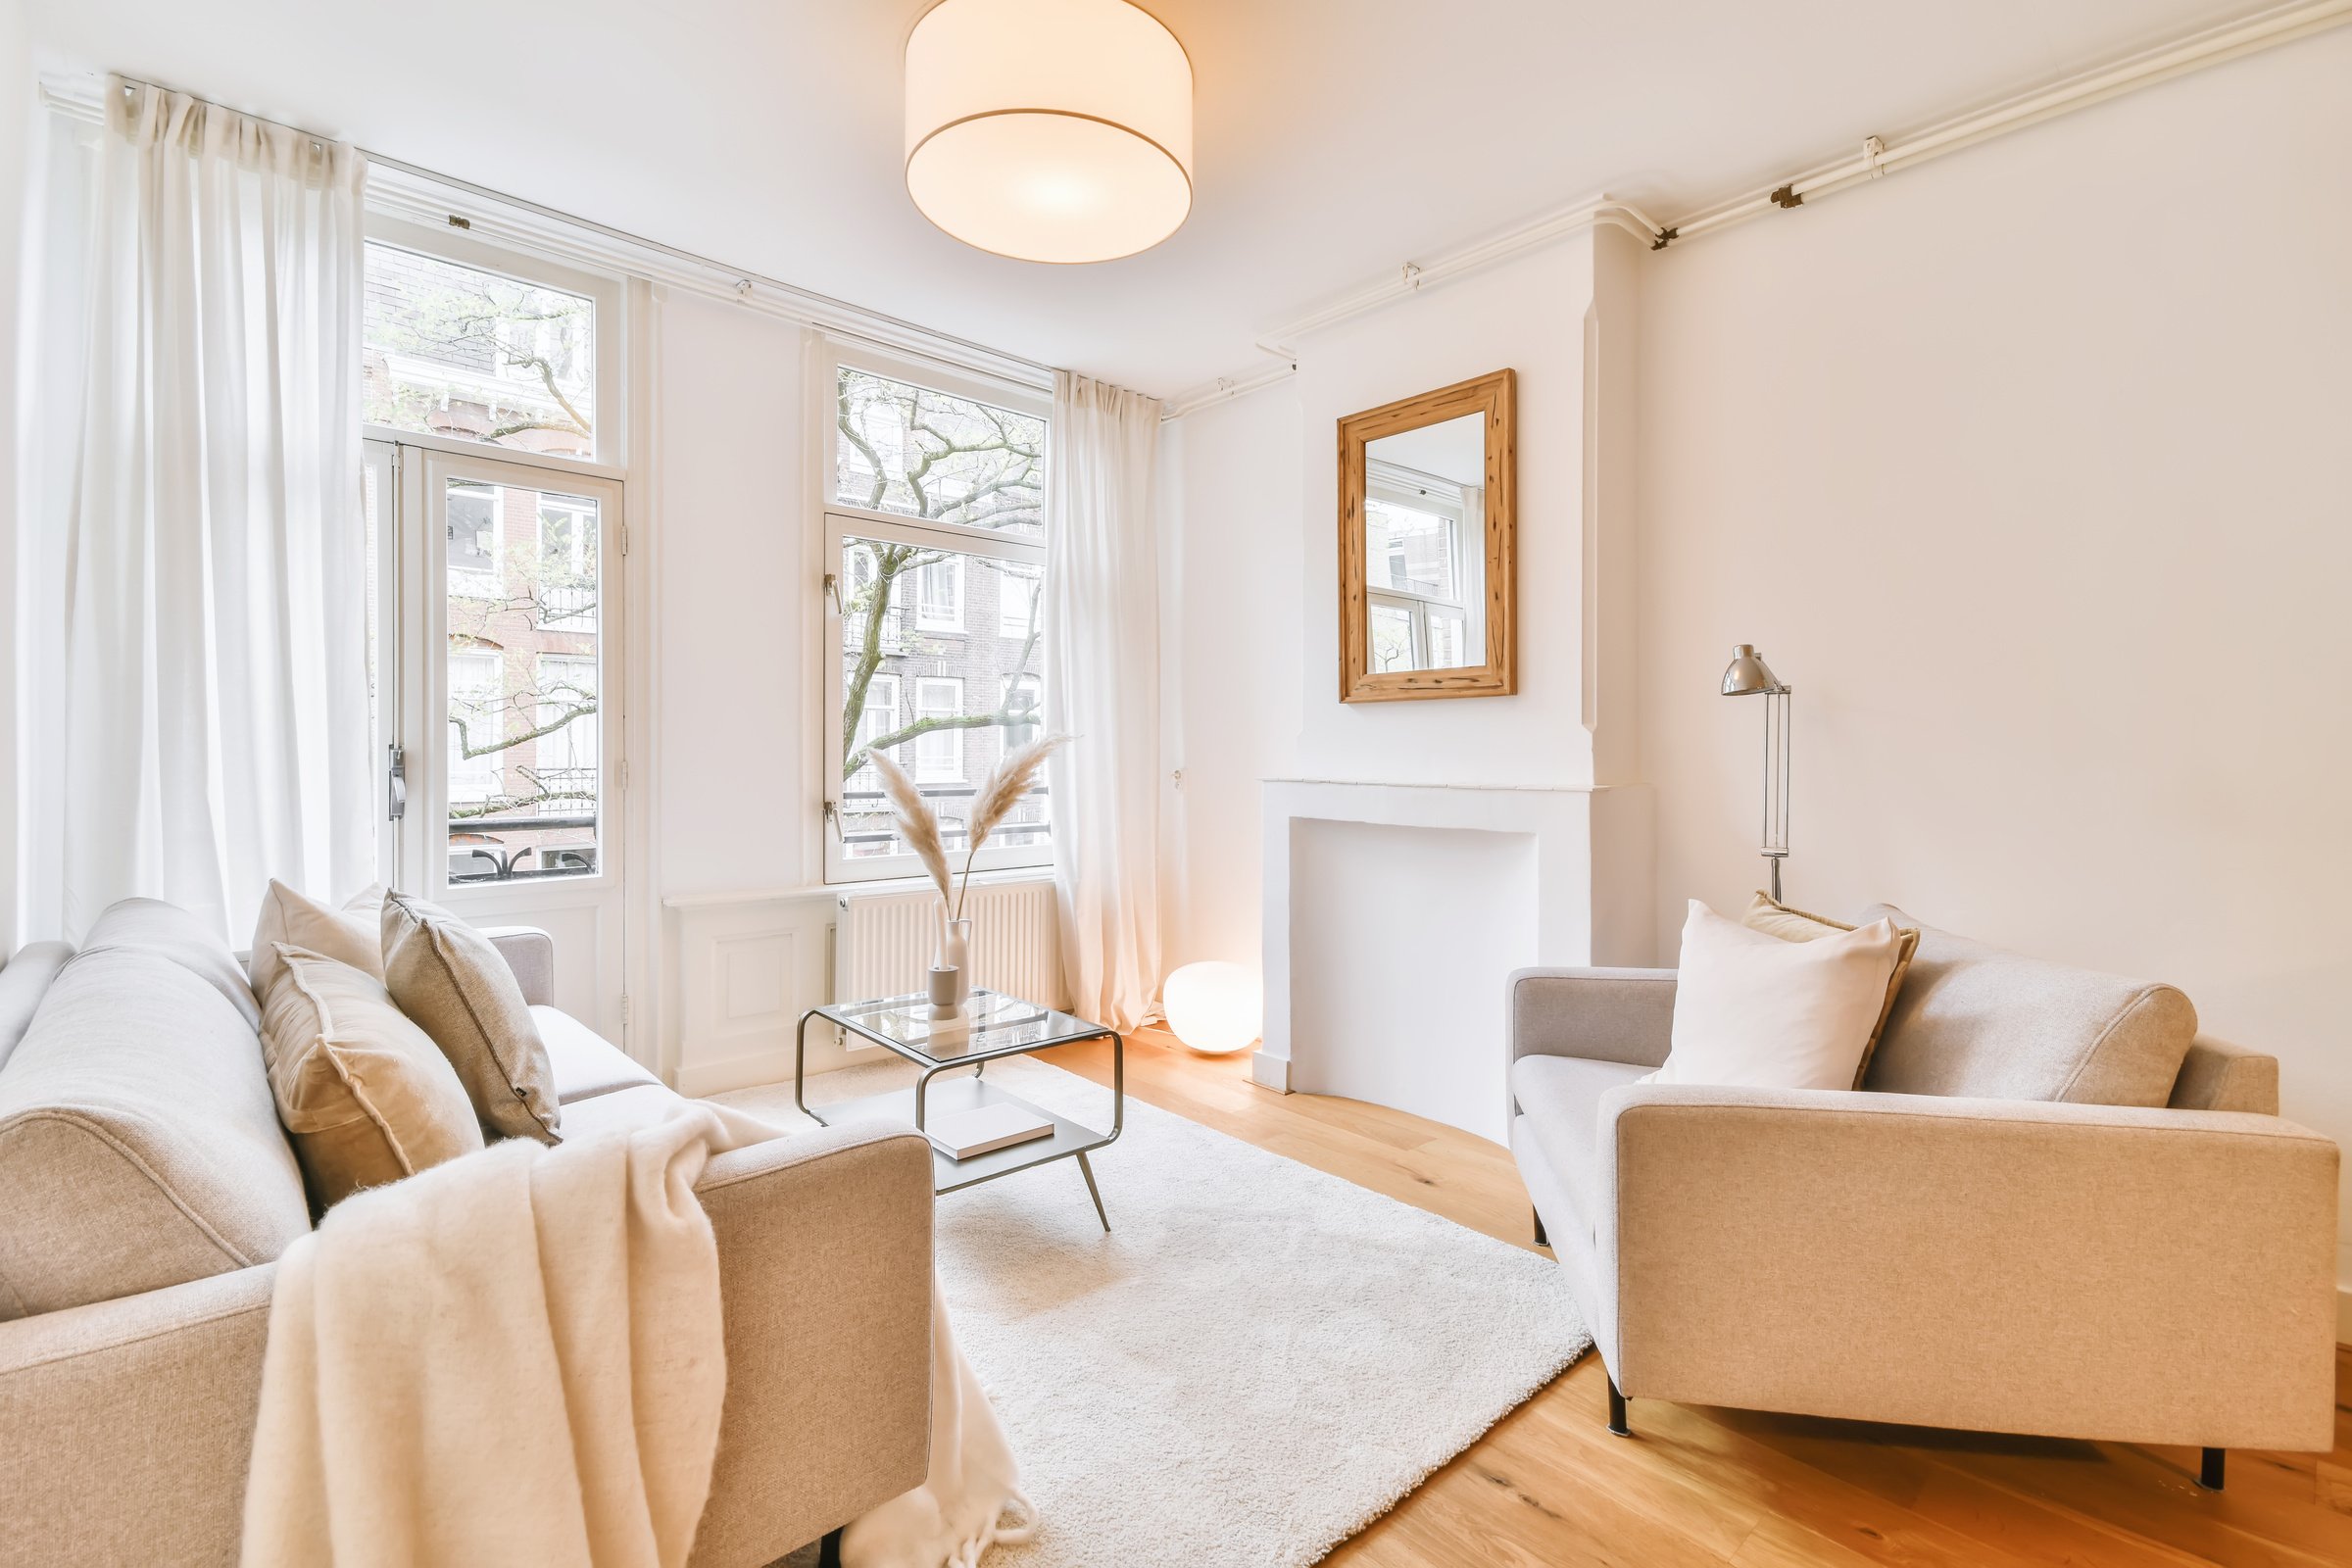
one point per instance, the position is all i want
(955, 952)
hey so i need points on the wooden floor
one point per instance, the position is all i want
(1548, 1486)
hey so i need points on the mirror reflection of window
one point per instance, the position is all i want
(1424, 531)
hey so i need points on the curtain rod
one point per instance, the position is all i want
(838, 317)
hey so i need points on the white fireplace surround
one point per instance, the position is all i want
(1400, 1000)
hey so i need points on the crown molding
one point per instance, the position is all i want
(2144, 67)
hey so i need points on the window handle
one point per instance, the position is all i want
(833, 816)
(396, 783)
(833, 592)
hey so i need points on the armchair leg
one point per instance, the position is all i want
(1617, 1423)
(1542, 1240)
(2209, 1476)
(828, 1551)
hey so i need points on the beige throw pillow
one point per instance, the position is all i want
(1764, 913)
(351, 934)
(1755, 1011)
(364, 1094)
(448, 977)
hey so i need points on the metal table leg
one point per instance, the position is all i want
(800, 1058)
(1092, 1190)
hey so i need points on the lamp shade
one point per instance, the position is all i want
(1748, 675)
(1051, 130)
(1214, 1008)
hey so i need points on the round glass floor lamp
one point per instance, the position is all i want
(1750, 676)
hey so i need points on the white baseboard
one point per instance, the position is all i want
(1270, 1072)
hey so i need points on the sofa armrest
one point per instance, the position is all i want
(824, 1263)
(2070, 1270)
(531, 954)
(125, 1426)
(1600, 1014)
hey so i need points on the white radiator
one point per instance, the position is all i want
(883, 942)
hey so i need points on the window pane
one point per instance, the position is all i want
(925, 454)
(1391, 638)
(525, 676)
(454, 351)
(945, 703)
(1409, 551)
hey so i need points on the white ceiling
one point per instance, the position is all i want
(1335, 139)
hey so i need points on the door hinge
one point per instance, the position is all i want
(624, 1008)
(624, 776)
(396, 783)
(625, 538)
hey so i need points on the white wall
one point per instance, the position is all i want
(734, 594)
(1229, 630)
(2031, 471)
(1250, 600)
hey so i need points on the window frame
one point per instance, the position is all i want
(836, 521)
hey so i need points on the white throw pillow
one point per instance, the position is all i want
(353, 934)
(1754, 1011)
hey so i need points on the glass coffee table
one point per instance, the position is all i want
(991, 1025)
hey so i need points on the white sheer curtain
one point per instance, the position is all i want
(1101, 639)
(208, 701)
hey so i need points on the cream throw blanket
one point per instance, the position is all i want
(517, 1357)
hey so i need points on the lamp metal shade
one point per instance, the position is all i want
(1050, 131)
(1748, 675)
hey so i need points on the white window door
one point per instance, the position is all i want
(510, 632)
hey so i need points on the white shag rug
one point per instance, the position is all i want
(1255, 1362)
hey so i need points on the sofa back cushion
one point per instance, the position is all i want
(1974, 1020)
(140, 1147)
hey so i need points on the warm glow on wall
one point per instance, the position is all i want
(1051, 130)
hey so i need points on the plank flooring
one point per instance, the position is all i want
(1549, 1487)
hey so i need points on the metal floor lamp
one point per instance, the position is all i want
(1750, 676)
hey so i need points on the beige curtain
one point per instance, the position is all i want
(1102, 642)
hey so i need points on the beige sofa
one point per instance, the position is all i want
(145, 1188)
(2053, 1208)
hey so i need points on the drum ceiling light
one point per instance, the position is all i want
(1050, 131)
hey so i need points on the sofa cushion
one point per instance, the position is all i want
(1974, 1020)
(1561, 1098)
(624, 1110)
(353, 934)
(1756, 1009)
(1768, 915)
(364, 1094)
(586, 1065)
(140, 1147)
(450, 979)
(23, 984)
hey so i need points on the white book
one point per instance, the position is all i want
(961, 1134)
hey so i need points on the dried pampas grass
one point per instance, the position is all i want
(1003, 791)
(918, 823)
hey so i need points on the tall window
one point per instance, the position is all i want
(936, 507)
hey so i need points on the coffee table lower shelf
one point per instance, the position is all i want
(1070, 1139)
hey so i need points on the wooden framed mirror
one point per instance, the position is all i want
(1427, 514)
